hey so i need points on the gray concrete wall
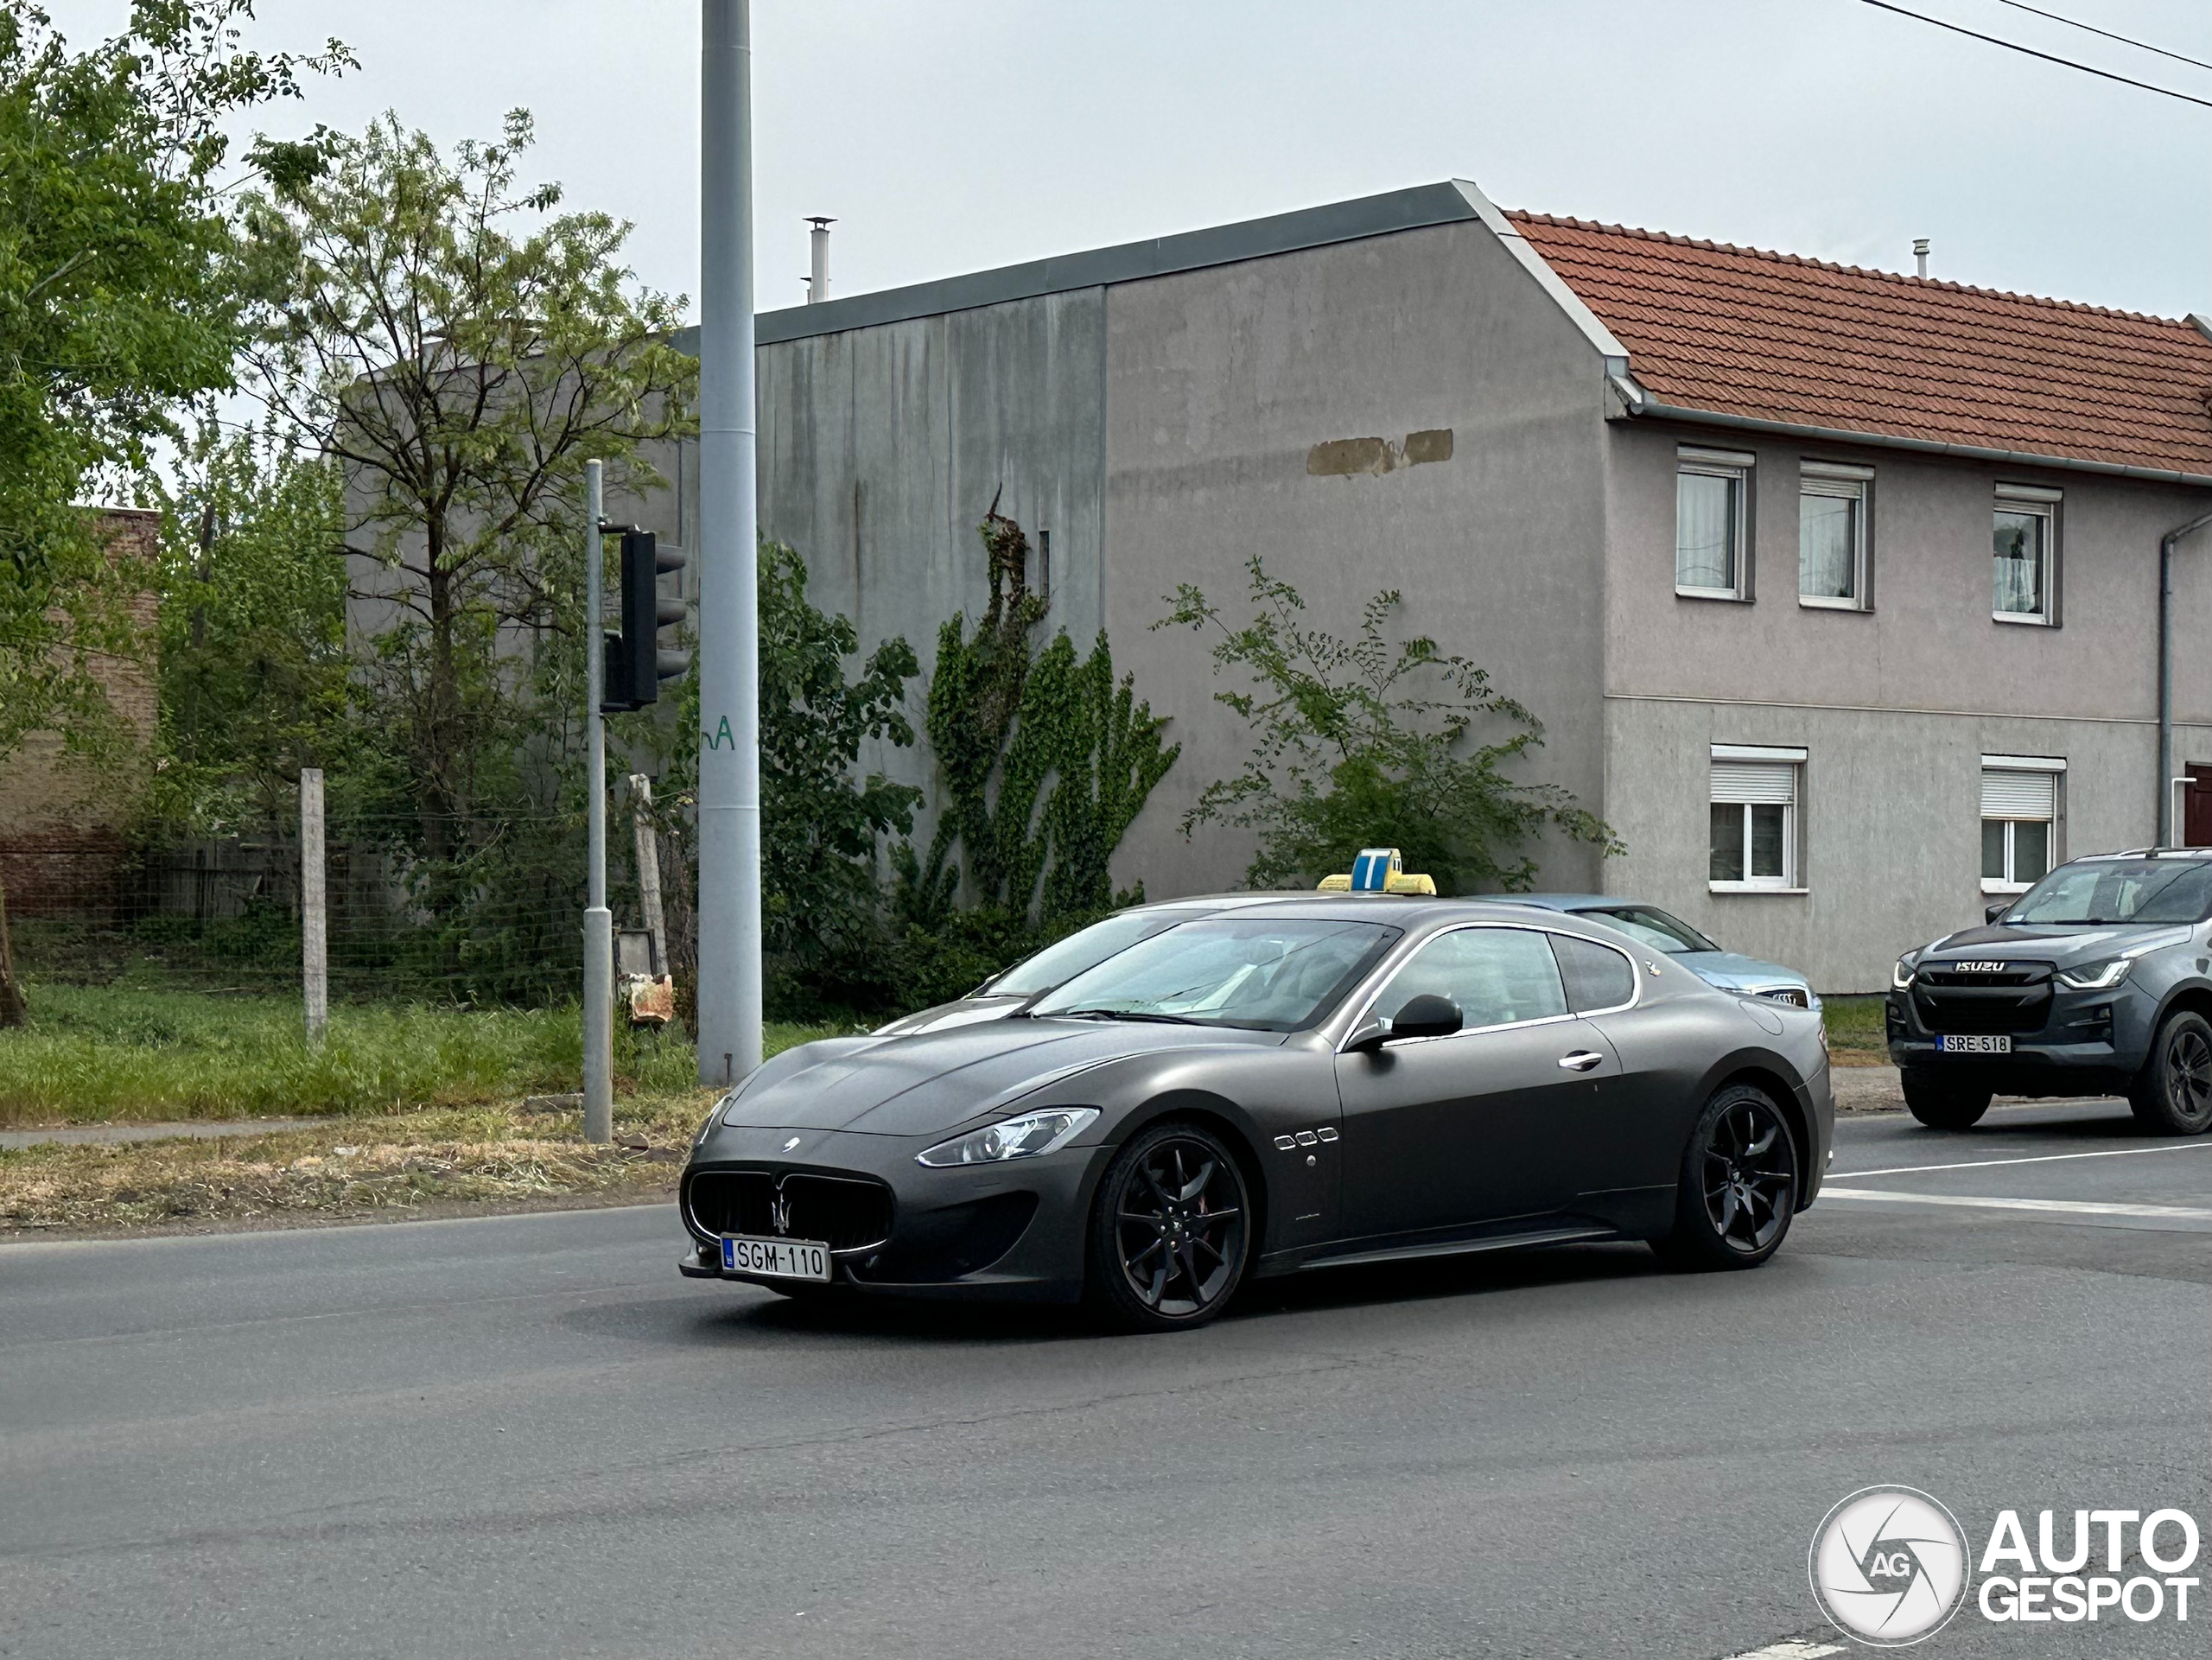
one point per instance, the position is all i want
(1218, 385)
(881, 449)
(1895, 705)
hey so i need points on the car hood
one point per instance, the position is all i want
(1733, 970)
(922, 1083)
(2065, 946)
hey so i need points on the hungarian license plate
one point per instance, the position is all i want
(789, 1259)
(1952, 1043)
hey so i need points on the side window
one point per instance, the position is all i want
(1597, 976)
(1712, 498)
(1496, 976)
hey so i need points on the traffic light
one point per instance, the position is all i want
(636, 661)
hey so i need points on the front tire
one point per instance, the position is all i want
(1170, 1232)
(1738, 1187)
(1944, 1104)
(2172, 1095)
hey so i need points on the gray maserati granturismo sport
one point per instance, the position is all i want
(1305, 1084)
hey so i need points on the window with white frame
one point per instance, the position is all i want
(2024, 577)
(1711, 510)
(1831, 535)
(2019, 820)
(1754, 817)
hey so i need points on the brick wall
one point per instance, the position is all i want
(61, 822)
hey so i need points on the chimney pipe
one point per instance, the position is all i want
(1920, 254)
(818, 285)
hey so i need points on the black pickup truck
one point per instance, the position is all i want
(2097, 980)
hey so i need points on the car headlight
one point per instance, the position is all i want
(1046, 1131)
(2097, 977)
(1901, 976)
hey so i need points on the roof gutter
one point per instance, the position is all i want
(2169, 832)
(1643, 405)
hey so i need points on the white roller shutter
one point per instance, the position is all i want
(1755, 780)
(2017, 795)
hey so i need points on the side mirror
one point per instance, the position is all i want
(1993, 912)
(1427, 1016)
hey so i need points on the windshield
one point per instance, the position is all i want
(1651, 927)
(2119, 890)
(1266, 976)
(1086, 948)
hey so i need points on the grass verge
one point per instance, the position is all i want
(354, 1170)
(1857, 1033)
(152, 1054)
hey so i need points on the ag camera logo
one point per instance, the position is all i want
(1889, 1565)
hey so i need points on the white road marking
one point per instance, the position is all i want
(1791, 1649)
(2040, 1158)
(2064, 1206)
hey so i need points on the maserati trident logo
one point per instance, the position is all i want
(1889, 1565)
(779, 1212)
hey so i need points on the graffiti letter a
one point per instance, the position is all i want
(721, 736)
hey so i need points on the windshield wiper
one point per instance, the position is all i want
(1121, 1015)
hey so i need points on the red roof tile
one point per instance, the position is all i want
(1779, 338)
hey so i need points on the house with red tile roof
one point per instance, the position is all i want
(1851, 599)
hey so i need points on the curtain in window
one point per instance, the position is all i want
(1828, 546)
(2019, 563)
(1705, 531)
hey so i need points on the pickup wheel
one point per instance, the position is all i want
(1944, 1102)
(2172, 1095)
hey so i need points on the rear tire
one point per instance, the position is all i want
(1944, 1102)
(2172, 1095)
(1739, 1185)
(1170, 1232)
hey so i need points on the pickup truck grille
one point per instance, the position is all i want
(2016, 1000)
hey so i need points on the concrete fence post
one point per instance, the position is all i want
(314, 917)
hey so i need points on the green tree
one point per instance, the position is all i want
(1360, 742)
(1046, 760)
(117, 306)
(255, 678)
(462, 350)
(822, 820)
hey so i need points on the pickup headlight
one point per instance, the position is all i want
(1025, 1137)
(1901, 976)
(2097, 977)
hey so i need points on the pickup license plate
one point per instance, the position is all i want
(1952, 1043)
(787, 1259)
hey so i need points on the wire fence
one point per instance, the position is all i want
(418, 908)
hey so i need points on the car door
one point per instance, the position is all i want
(1478, 1126)
(1626, 1137)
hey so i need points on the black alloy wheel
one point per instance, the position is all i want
(1738, 1187)
(1943, 1102)
(1169, 1230)
(2172, 1095)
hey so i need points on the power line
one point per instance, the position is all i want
(2141, 46)
(2014, 46)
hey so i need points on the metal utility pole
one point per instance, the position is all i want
(599, 921)
(314, 917)
(729, 640)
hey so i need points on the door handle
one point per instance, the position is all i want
(1581, 1061)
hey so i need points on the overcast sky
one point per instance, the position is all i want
(958, 135)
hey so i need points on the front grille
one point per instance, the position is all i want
(848, 1212)
(2015, 1000)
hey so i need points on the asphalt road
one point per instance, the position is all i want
(526, 1436)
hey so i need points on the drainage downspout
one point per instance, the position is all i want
(2168, 832)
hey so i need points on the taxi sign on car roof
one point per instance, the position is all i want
(1378, 870)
